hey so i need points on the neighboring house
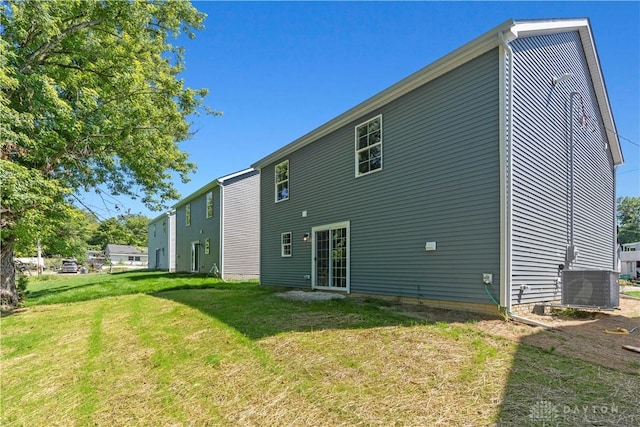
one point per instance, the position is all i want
(489, 166)
(162, 242)
(126, 256)
(218, 228)
(630, 260)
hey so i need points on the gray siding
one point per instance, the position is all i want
(540, 200)
(440, 182)
(241, 227)
(158, 240)
(201, 228)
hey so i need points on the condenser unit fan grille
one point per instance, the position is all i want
(590, 288)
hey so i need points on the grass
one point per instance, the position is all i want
(158, 349)
(633, 293)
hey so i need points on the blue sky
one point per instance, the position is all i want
(280, 69)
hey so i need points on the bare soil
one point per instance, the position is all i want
(581, 335)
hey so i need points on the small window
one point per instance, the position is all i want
(368, 149)
(210, 204)
(282, 181)
(285, 239)
(207, 246)
(187, 215)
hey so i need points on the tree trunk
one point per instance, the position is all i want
(8, 292)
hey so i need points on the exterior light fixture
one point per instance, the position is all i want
(562, 78)
(306, 237)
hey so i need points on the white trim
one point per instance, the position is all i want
(221, 243)
(233, 175)
(463, 54)
(282, 244)
(276, 182)
(506, 107)
(194, 260)
(347, 226)
(206, 205)
(358, 150)
(209, 187)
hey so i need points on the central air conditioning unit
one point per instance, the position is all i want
(591, 288)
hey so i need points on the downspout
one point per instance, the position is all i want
(221, 243)
(505, 294)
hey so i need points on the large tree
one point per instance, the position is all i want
(90, 97)
(628, 219)
(130, 229)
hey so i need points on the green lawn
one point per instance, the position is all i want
(157, 349)
(634, 293)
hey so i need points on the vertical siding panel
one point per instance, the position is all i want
(440, 182)
(541, 168)
(241, 208)
(158, 239)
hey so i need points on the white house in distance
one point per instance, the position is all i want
(630, 260)
(126, 256)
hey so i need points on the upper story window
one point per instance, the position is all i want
(282, 181)
(187, 215)
(209, 204)
(285, 244)
(368, 148)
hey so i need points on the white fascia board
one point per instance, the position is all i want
(550, 26)
(443, 65)
(208, 187)
(511, 30)
(233, 175)
(158, 218)
(199, 192)
(533, 28)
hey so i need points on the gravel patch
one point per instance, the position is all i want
(309, 296)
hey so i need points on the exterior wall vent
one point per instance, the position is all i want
(590, 288)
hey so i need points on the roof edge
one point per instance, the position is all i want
(446, 63)
(210, 186)
(481, 44)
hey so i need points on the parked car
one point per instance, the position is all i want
(69, 266)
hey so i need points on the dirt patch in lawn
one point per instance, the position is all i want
(578, 334)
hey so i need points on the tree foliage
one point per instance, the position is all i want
(90, 96)
(628, 219)
(123, 230)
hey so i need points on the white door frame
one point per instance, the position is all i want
(195, 256)
(314, 278)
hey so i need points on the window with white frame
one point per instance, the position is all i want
(210, 204)
(285, 244)
(368, 147)
(282, 181)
